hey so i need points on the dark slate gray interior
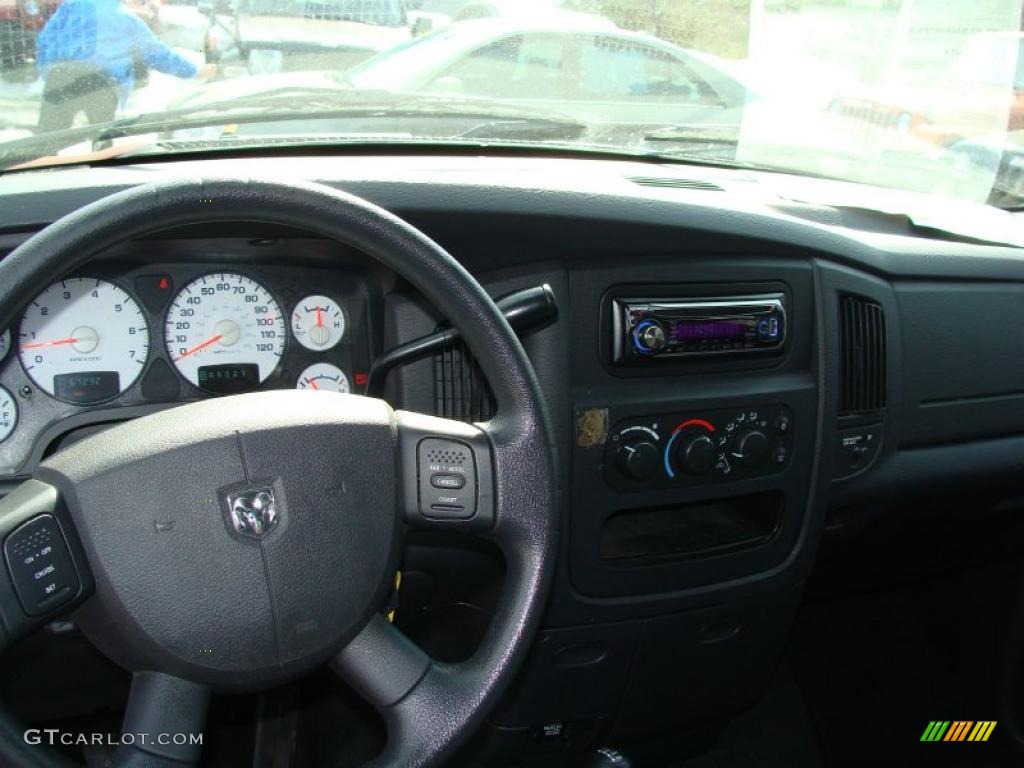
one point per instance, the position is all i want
(659, 653)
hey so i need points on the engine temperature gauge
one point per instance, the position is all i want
(324, 377)
(318, 322)
(8, 414)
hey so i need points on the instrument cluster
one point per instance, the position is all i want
(176, 333)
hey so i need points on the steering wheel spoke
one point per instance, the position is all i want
(410, 690)
(163, 723)
(382, 664)
(45, 572)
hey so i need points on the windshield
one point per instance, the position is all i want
(922, 96)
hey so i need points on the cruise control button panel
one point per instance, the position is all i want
(447, 479)
(40, 565)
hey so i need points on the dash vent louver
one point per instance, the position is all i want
(460, 389)
(669, 182)
(862, 356)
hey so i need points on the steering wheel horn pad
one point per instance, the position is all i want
(165, 510)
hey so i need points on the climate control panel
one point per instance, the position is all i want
(681, 449)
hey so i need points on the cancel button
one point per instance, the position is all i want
(448, 481)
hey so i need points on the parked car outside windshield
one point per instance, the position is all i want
(277, 35)
(576, 64)
(921, 97)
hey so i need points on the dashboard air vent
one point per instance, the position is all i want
(669, 182)
(862, 376)
(460, 389)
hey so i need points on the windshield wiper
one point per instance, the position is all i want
(496, 121)
(710, 145)
(725, 133)
(713, 145)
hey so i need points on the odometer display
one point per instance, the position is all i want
(90, 387)
(229, 378)
(83, 340)
(228, 327)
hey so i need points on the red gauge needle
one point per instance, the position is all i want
(319, 318)
(313, 384)
(54, 343)
(197, 347)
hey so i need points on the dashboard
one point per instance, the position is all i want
(99, 346)
(752, 398)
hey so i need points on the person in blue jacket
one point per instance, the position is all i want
(86, 55)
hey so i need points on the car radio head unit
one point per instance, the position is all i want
(648, 328)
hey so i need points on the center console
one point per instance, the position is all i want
(693, 463)
(695, 406)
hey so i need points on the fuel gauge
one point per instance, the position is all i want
(318, 322)
(323, 377)
(8, 414)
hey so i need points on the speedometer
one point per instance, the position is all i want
(225, 333)
(83, 340)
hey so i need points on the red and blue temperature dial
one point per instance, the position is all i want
(691, 448)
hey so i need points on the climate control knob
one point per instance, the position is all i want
(638, 459)
(696, 453)
(649, 337)
(751, 448)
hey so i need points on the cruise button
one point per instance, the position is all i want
(448, 481)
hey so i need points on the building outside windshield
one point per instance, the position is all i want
(925, 96)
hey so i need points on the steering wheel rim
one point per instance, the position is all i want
(430, 710)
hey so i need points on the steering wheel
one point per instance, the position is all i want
(240, 542)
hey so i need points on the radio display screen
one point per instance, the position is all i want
(697, 330)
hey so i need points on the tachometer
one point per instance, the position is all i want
(83, 340)
(225, 333)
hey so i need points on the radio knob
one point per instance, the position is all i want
(696, 453)
(751, 448)
(649, 337)
(638, 459)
